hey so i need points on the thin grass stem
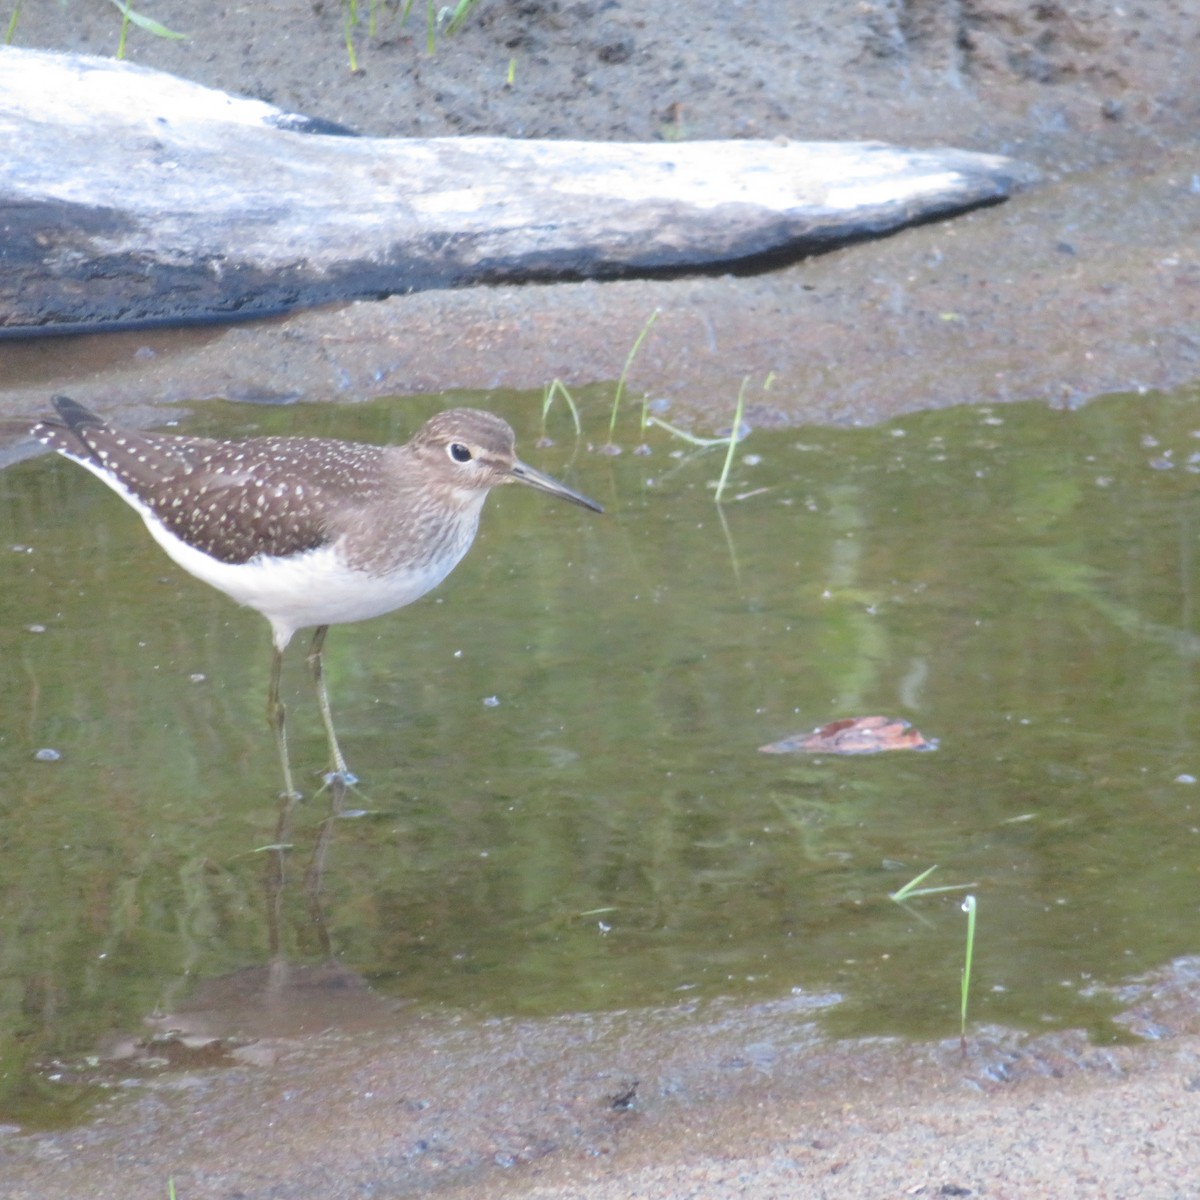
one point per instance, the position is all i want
(733, 558)
(149, 24)
(349, 19)
(910, 888)
(462, 10)
(12, 24)
(733, 438)
(937, 891)
(641, 337)
(554, 388)
(675, 431)
(968, 906)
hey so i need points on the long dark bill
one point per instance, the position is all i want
(523, 473)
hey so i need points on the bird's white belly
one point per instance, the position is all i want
(302, 590)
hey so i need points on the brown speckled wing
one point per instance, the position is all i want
(231, 500)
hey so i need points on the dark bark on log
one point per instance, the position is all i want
(129, 197)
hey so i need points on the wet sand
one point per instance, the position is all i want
(1087, 284)
(703, 1100)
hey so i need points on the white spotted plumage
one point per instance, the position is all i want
(311, 587)
(308, 531)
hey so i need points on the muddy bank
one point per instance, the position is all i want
(1090, 283)
(702, 1100)
(1045, 297)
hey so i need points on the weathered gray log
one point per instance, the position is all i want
(131, 197)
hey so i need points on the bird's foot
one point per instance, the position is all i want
(339, 783)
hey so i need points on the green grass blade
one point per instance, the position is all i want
(937, 891)
(641, 337)
(675, 431)
(12, 24)
(462, 10)
(733, 438)
(149, 24)
(554, 388)
(348, 31)
(968, 905)
(907, 890)
(155, 27)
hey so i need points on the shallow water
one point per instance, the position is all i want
(563, 804)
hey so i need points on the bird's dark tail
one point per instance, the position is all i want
(74, 416)
(67, 432)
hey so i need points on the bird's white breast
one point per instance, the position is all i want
(303, 590)
(316, 587)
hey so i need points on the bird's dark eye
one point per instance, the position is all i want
(459, 452)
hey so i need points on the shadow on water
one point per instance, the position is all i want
(563, 806)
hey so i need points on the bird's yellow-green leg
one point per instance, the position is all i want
(340, 773)
(275, 716)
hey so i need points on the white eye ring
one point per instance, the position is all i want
(459, 452)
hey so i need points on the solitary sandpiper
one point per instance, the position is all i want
(308, 531)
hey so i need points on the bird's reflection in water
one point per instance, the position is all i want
(239, 1018)
(276, 875)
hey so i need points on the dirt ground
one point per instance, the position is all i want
(1088, 283)
(703, 1101)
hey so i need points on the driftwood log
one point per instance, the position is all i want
(130, 197)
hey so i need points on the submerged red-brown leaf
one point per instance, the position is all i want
(854, 735)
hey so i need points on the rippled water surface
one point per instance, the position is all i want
(563, 802)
